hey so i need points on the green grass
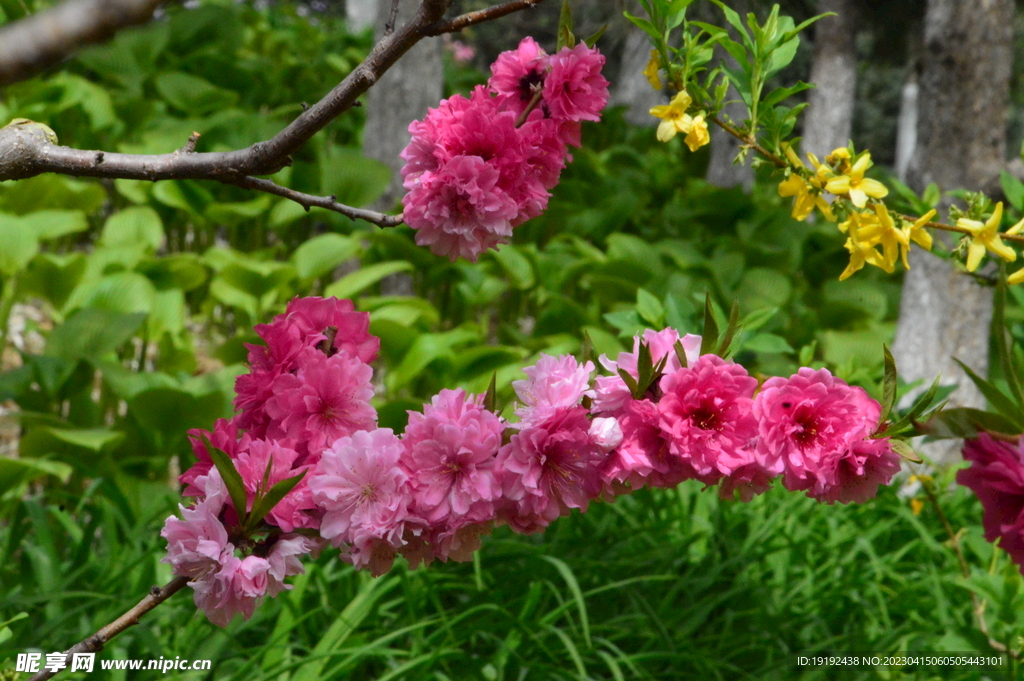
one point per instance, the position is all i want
(660, 585)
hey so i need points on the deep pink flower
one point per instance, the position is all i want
(706, 412)
(450, 452)
(552, 384)
(460, 211)
(317, 318)
(548, 469)
(996, 477)
(816, 430)
(645, 456)
(364, 494)
(517, 74)
(327, 398)
(575, 90)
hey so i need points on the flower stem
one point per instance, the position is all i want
(95, 643)
(749, 141)
(534, 101)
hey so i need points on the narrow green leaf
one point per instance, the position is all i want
(586, 349)
(888, 385)
(789, 35)
(565, 36)
(491, 396)
(680, 353)
(730, 331)
(734, 18)
(964, 422)
(905, 450)
(644, 25)
(273, 496)
(650, 308)
(232, 479)
(644, 366)
(631, 383)
(709, 337)
(918, 408)
(996, 397)
(577, 594)
(592, 40)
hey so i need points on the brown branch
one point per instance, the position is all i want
(329, 202)
(33, 43)
(749, 141)
(389, 27)
(470, 18)
(26, 152)
(95, 643)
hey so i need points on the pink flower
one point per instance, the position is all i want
(553, 383)
(317, 319)
(706, 412)
(460, 211)
(284, 560)
(575, 90)
(198, 540)
(996, 477)
(610, 392)
(327, 398)
(517, 74)
(363, 492)
(461, 52)
(816, 429)
(645, 456)
(293, 510)
(606, 433)
(549, 469)
(450, 452)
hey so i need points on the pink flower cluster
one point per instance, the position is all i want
(478, 167)
(996, 476)
(304, 409)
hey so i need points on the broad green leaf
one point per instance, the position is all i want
(53, 277)
(516, 265)
(644, 25)
(182, 271)
(137, 224)
(174, 410)
(650, 308)
(55, 192)
(124, 292)
(768, 342)
(15, 472)
(192, 94)
(94, 439)
(427, 348)
(964, 422)
(352, 178)
(18, 245)
(322, 254)
(51, 224)
(239, 212)
(363, 278)
(92, 333)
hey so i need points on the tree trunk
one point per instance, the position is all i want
(361, 14)
(834, 74)
(961, 142)
(631, 88)
(403, 95)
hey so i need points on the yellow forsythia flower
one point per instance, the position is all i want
(673, 117)
(985, 236)
(916, 506)
(861, 252)
(652, 71)
(880, 229)
(855, 185)
(918, 234)
(698, 135)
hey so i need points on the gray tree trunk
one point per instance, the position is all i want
(361, 14)
(632, 88)
(829, 117)
(403, 95)
(961, 142)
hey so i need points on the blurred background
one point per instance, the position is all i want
(125, 307)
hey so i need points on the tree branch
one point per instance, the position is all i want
(329, 202)
(25, 151)
(43, 39)
(95, 643)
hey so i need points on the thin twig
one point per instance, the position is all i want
(95, 643)
(954, 540)
(389, 27)
(530, 106)
(1016, 238)
(470, 18)
(329, 202)
(749, 141)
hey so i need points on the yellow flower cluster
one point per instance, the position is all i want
(871, 228)
(674, 119)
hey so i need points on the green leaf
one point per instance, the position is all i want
(996, 397)
(631, 383)
(322, 254)
(363, 278)
(231, 477)
(193, 95)
(137, 224)
(565, 35)
(650, 308)
(920, 405)
(92, 333)
(491, 396)
(427, 348)
(352, 178)
(734, 18)
(51, 224)
(780, 93)
(272, 498)
(709, 337)
(592, 40)
(93, 439)
(769, 343)
(1013, 189)
(124, 292)
(645, 26)
(19, 244)
(15, 472)
(905, 450)
(888, 385)
(964, 422)
(516, 265)
(681, 354)
(730, 331)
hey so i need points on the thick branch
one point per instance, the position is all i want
(95, 643)
(32, 44)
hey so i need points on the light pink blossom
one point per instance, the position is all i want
(610, 393)
(552, 384)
